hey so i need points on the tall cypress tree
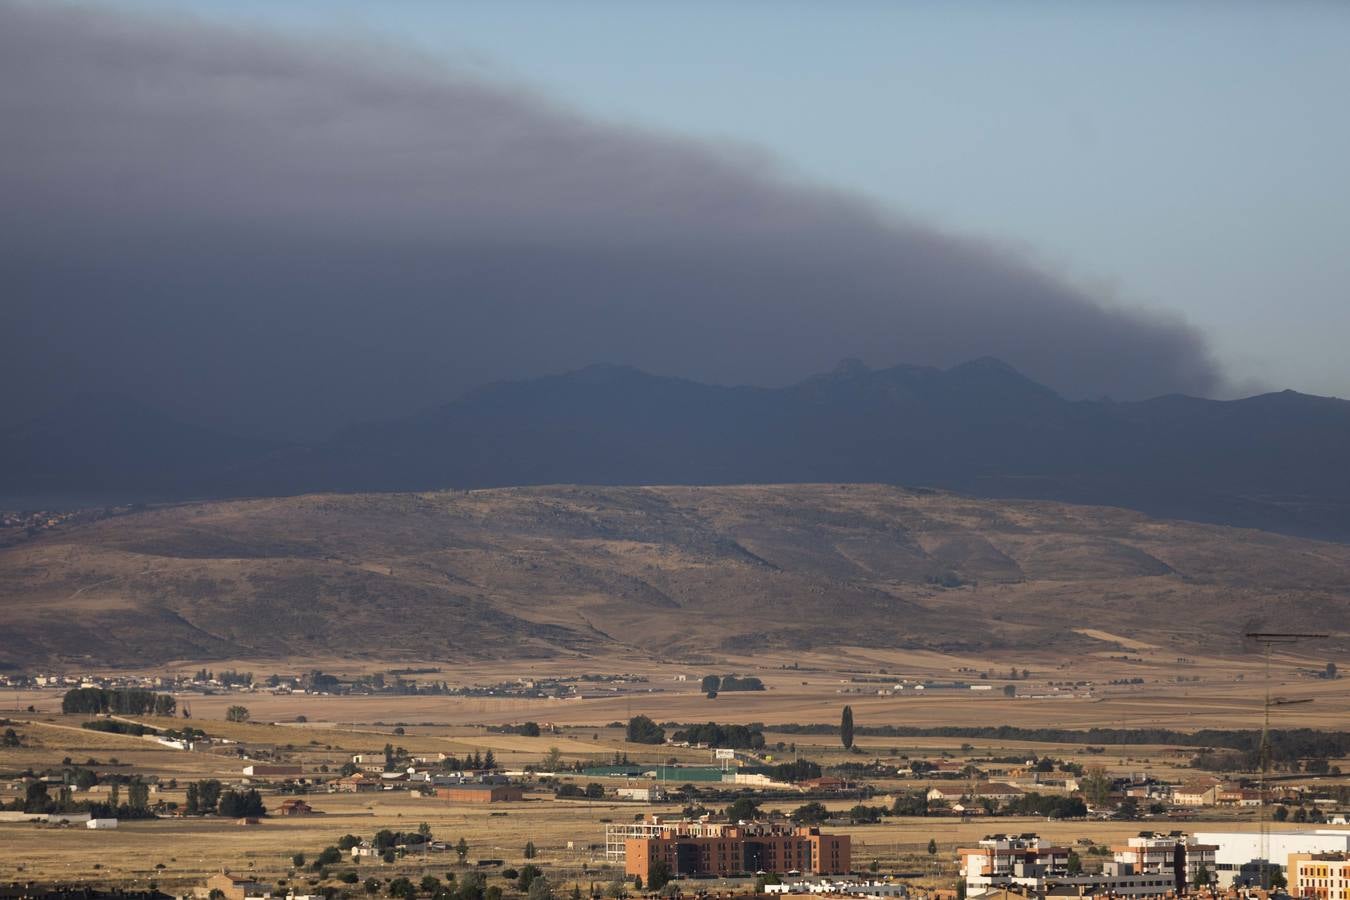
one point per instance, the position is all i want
(846, 728)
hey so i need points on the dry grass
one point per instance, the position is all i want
(577, 574)
(192, 849)
(341, 726)
(805, 587)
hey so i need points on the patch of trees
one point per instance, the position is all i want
(737, 683)
(469, 886)
(867, 815)
(910, 803)
(593, 791)
(240, 804)
(386, 839)
(1250, 761)
(1300, 815)
(119, 701)
(735, 737)
(1051, 806)
(37, 798)
(472, 762)
(642, 730)
(798, 770)
(743, 809)
(659, 875)
(871, 768)
(112, 726)
(136, 807)
(528, 729)
(813, 813)
(186, 733)
(202, 797)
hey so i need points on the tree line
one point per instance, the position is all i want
(118, 701)
(208, 797)
(734, 737)
(1292, 743)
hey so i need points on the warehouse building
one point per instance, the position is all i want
(1239, 854)
(481, 793)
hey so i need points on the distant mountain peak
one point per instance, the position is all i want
(1271, 461)
(851, 367)
(987, 364)
(605, 368)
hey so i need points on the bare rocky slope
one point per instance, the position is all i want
(673, 571)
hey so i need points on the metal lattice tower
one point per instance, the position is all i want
(1268, 639)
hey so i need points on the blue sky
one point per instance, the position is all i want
(1185, 158)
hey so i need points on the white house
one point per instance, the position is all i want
(651, 793)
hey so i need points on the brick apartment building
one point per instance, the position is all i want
(739, 849)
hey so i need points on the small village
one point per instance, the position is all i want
(714, 450)
(697, 810)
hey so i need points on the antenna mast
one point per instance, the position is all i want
(1268, 639)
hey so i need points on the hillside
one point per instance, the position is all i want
(672, 571)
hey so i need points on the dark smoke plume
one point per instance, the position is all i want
(275, 236)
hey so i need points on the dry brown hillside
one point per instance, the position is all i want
(673, 571)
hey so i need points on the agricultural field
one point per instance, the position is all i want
(323, 732)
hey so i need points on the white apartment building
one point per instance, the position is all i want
(1153, 852)
(1023, 862)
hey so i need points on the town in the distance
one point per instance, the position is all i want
(709, 450)
(438, 782)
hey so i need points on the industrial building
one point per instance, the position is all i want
(259, 770)
(481, 793)
(1239, 858)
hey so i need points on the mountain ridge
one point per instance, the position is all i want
(1270, 461)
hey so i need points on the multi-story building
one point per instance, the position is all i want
(1319, 875)
(617, 834)
(1024, 864)
(1176, 854)
(726, 849)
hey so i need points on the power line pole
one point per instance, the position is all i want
(1267, 640)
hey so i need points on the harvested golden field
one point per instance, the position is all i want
(565, 831)
(339, 727)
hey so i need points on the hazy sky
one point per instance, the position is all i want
(276, 218)
(1182, 156)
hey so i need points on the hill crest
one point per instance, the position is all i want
(662, 571)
